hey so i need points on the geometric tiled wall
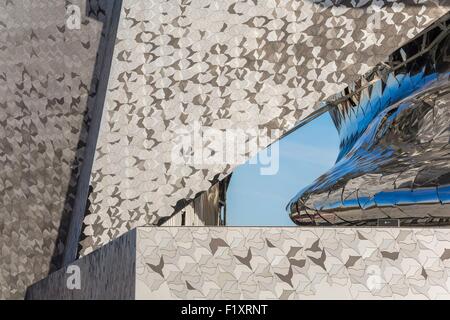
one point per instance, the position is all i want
(262, 263)
(223, 64)
(48, 79)
(292, 263)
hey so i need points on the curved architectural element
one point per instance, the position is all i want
(394, 127)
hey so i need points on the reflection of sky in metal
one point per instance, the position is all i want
(394, 158)
(253, 199)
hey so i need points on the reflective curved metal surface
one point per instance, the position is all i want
(394, 128)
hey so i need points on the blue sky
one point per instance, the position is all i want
(257, 200)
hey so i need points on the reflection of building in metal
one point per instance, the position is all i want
(219, 263)
(394, 127)
(207, 209)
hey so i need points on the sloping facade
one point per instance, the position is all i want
(222, 65)
(48, 79)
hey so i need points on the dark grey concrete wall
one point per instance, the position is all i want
(108, 273)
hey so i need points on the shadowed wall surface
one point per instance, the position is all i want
(263, 263)
(108, 274)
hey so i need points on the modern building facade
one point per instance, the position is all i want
(221, 65)
(52, 60)
(262, 263)
(90, 112)
(393, 126)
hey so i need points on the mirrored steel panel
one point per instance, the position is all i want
(394, 130)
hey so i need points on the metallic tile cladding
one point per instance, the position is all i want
(46, 77)
(292, 263)
(106, 274)
(262, 263)
(394, 129)
(228, 64)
